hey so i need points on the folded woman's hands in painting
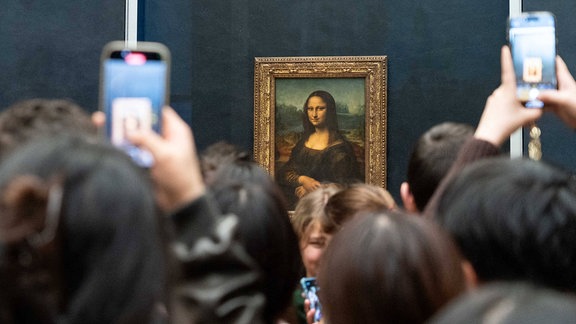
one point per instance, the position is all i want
(308, 184)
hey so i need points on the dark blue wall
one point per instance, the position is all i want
(51, 48)
(443, 56)
(558, 142)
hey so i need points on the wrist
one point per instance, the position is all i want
(491, 135)
(183, 196)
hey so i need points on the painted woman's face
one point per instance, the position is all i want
(312, 246)
(316, 111)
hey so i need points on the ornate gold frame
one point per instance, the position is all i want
(372, 68)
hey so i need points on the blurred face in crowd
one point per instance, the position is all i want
(312, 246)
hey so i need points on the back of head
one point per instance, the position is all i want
(354, 200)
(388, 267)
(311, 208)
(514, 220)
(36, 118)
(245, 189)
(510, 303)
(107, 257)
(432, 157)
(218, 155)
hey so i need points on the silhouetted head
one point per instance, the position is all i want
(431, 158)
(245, 189)
(388, 267)
(514, 220)
(80, 237)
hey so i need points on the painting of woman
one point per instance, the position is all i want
(322, 155)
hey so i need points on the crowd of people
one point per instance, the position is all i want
(87, 236)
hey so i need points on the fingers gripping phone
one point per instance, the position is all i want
(134, 86)
(311, 293)
(532, 40)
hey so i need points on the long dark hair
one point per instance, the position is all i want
(331, 118)
(110, 243)
(245, 189)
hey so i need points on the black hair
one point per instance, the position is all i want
(111, 250)
(245, 189)
(432, 156)
(514, 220)
(509, 303)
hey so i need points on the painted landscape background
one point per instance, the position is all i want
(349, 94)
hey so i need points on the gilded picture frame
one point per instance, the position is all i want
(358, 85)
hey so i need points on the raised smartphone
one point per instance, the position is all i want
(311, 293)
(134, 86)
(532, 40)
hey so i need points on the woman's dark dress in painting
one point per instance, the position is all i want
(336, 163)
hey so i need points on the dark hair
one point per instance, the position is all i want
(331, 118)
(108, 241)
(514, 220)
(388, 267)
(432, 156)
(218, 154)
(245, 189)
(509, 303)
(35, 118)
(353, 200)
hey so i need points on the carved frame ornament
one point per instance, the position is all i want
(373, 69)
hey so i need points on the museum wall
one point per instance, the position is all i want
(443, 57)
(443, 60)
(51, 48)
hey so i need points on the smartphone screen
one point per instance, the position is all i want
(311, 293)
(134, 90)
(532, 38)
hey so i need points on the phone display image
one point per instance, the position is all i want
(532, 70)
(311, 293)
(134, 88)
(532, 39)
(129, 114)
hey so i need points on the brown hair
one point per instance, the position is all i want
(38, 118)
(357, 198)
(391, 268)
(310, 208)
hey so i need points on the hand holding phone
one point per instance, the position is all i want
(134, 86)
(532, 39)
(311, 293)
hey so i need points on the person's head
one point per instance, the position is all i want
(509, 303)
(245, 189)
(217, 155)
(79, 234)
(36, 118)
(431, 158)
(388, 267)
(354, 200)
(514, 220)
(313, 227)
(319, 111)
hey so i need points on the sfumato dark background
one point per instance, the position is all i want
(443, 57)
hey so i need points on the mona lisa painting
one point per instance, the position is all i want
(320, 120)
